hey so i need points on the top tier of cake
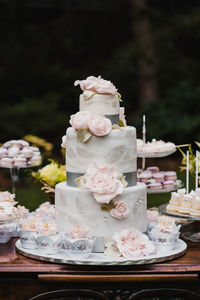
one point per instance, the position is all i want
(99, 97)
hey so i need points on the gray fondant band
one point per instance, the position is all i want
(130, 177)
(113, 118)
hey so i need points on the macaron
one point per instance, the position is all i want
(26, 152)
(170, 175)
(168, 184)
(20, 161)
(35, 160)
(153, 169)
(158, 177)
(3, 152)
(145, 176)
(6, 162)
(13, 151)
(154, 186)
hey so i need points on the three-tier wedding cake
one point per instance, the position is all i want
(101, 163)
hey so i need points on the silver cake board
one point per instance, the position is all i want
(99, 259)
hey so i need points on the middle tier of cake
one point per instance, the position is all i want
(117, 149)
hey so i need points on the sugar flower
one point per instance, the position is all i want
(97, 84)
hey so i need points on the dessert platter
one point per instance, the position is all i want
(154, 148)
(184, 204)
(16, 155)
(158, 181)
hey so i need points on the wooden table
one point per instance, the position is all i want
(22, 278)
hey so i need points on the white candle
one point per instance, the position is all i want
(197, 162)
(187, 174)
(144, 138)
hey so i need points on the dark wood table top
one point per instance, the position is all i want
(12, 262)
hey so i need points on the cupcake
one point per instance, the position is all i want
(78, 243)
(5, 233)
(48, 240)
(165, 234)
(28, 233)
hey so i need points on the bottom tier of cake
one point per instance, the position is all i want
(78, 207)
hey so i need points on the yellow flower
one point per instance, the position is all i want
(51, 174)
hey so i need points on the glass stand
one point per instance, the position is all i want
(14, 173)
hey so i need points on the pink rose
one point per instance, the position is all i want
(47, 228)
(120, 211)
(97, 84)
(133, 244)
(103, 182)
(99, 126)
(79, 232)
(80, 120)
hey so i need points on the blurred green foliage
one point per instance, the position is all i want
(46, 45)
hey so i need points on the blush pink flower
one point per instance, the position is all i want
(121, 210)
(48, 228)
(79, 232)
(97, 84)
(133, 244)
(99, 126)
(80, 120)
(103, 182)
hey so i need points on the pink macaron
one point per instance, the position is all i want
(154, 186)
(158, 177)
(145, 176)
(153, 169)
(6, 162)
(20, 161)
(168, 184)
(170, 175)
(3, 152)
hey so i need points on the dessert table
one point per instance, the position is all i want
(25, 278)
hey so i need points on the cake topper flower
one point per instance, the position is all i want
(105, 183)
(97, 84)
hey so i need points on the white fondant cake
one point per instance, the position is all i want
(101, 190)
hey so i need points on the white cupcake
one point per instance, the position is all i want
(165, 234)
